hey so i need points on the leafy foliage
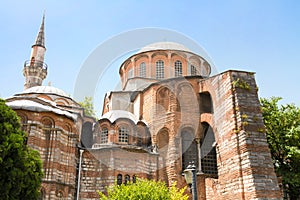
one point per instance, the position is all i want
(20, 167)
(283, 133)
(88, 106)
(144, 189)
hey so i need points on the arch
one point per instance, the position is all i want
(185, 92)
(126, 179)
(160, 69)
(143, 136)
(178, 68)
(134, 178)
(23, 118)
(87, 135)
(42, 194)
(67, 128)
(159, 54)
(206, 104)
(60, 195)
(162, 140)
(194, 71)
(61, 102)
(195, 64)
(119, 179)
(208, 151)
(44, 96)
(163, 98)
(189, 147)
(205, 69)
(48, 122)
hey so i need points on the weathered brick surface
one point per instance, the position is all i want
(245, 169)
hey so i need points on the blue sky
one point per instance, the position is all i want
(254, 35)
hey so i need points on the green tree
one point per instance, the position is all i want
(88, 106)
(20, 167)
(144, 189)
(283, 133)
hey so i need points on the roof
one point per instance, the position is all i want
(40, 39)
(164, 46)
(38, 107)
(45, 90)
(114, 115)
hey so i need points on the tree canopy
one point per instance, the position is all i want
(283, 134)
(20, 167)
(144, 189)
(88, 106)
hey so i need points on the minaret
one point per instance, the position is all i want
(35, 70)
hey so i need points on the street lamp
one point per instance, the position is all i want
(190, 178)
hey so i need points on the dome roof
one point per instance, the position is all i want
(164, 46)
(45, 90)
(114, 115)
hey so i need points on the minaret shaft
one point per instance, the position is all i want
(35, 70)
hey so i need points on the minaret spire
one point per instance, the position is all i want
(40, 39)
(35, 70)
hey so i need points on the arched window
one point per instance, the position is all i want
(60, 195)
(104, 136)
(189, 148)
(160, 69)
(163, 98)
(42, 194)
(163, 141)
(48, 130)
(193, 70)
(206, 105)
(127, 179)
(205, 70)
(208, 151)
(134, 178)
(178, 68)
(123, 134)
(23, 121)
(119, 179)
(143, 69)
(130, 74)
(87, 135)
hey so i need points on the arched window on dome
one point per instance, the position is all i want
(193, 70)
(104, 136)
(178, 68)
(160, 69)
(123, 134)
(143, 69)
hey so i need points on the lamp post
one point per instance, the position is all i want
(190, 178)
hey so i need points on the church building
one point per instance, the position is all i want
(170, 112)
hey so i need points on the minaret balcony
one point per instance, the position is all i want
(35, 63)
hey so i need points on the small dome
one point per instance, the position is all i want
(113, 115)
(164, 46)
(45, 90)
